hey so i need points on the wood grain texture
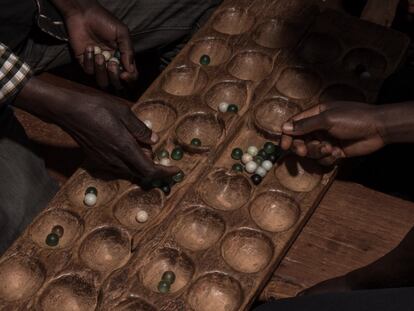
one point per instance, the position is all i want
(352, 227)
(223, 263)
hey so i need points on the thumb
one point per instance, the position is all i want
(126, 49)
(304, 126)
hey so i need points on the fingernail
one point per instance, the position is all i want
(154, 138)
(288, 127)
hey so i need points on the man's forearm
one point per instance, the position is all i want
(70, 7)
(398, 122)
(52, 98)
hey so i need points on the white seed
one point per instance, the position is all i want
(165, 162)
(90, 199)
(107, 55)
(247, 158)
(223, 107)
(115, 60)
(251, 167)
(148, 123)
(142, 216)
(267, 165)
(253, 151)
(97, 50)
(261, 171)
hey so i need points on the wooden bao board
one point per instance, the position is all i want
(220, 234)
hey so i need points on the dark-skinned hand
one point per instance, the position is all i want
(95, 26)
(103, 125)
(332, 131)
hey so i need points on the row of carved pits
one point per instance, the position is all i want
(163, 116)
(274, 33)
(246, 251)
(22, 277)
(322, 48)
(301, 84)
(104, 249)
(186, 80)
(211, 292)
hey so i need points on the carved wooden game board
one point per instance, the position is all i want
(219, 233)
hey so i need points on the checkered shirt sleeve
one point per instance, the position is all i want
(13, 74)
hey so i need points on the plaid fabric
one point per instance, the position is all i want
(13, 74)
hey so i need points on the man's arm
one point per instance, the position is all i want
(90, 25)
(335, 130)
(103, 125)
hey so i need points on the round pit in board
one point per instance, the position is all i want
(42, 230)
(184, 81)
(270, 115)
(274, 211)
(233, 21)
(20, 277)
(222, 95)
(134, 201)
(159, 113)
(164, 260)
(321, 48)
(277, 33)
(226, 191)
(106, 249)
(210, 52)
(250, 66)
(198, 230)
(298, 83)
(68, 293)
(247, 251)
(215, 292)
(342, 92)
(365, 63)
(299, 174)
(105, 190)
(206, 127)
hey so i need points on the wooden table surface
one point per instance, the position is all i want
(351, 227)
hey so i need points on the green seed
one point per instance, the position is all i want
(269, 148)
(205, 60)
(258, 159)
(58, 230)
(163, 287)
(196, 142)
(52, 240)
(233, 108)
(92, 190)
(179, 177)
(163, 154)
(177, 154)
(168, 277)
(237, 154)
(237, 167)
(262, 153)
